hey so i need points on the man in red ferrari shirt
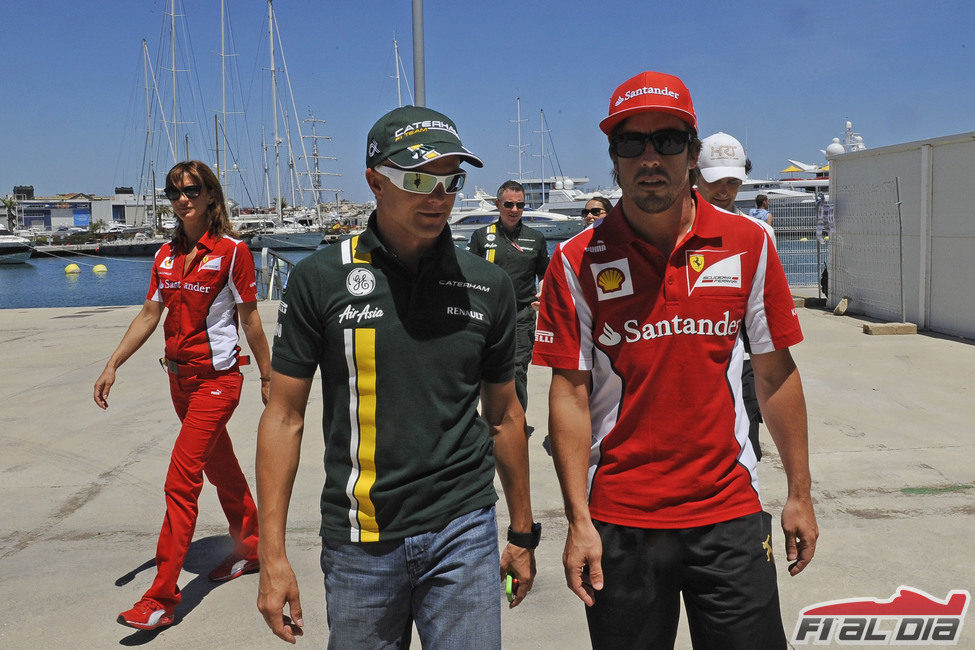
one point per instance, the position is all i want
(641, 320)
(206, 279)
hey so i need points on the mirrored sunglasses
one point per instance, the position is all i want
(514, 204)
(666, 142)
(190, 191)
(421, 182)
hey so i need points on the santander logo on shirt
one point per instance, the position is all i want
(633, 330)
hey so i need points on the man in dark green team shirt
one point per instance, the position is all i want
(523, 254)
(408, 332)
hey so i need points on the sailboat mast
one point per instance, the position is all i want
(274, 105)
(223, 87)
(267, 178)
(172, 49)
(152, 169)
(399, 92)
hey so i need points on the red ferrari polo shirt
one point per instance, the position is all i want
(663, 341)
(201, 325)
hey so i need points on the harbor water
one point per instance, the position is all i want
(42, 281)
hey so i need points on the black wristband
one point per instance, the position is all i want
(526, 540)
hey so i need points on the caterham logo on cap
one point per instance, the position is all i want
(423, 151)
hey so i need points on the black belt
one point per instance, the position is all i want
(187, 369)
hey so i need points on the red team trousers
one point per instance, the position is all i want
(204, 406)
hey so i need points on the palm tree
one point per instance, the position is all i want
(11, 205)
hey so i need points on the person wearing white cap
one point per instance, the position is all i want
(722, 167)
(642, 319)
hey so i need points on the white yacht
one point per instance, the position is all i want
(463, 222)
(13, 248)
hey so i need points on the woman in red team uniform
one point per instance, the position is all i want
(205, 277)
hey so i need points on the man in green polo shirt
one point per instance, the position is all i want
(523, 254)
(409, 332)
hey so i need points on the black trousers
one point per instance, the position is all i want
(724, 571)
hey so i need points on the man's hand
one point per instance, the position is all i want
(279, 586)
(582, 560)
(801, 533)
(519, 562)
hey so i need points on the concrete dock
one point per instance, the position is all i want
(81, 502)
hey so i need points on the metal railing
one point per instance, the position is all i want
(803, 256)
(272, 276)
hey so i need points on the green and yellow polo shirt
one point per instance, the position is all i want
(402, 357)
(523, 255)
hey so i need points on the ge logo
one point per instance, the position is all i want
(360, 282)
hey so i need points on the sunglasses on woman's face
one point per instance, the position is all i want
(189, 191)
(592, 211)
(514, 204)
(666, 142)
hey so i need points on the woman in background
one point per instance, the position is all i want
(205, 277)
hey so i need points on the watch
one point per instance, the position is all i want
(526, 540)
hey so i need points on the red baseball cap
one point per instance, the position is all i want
(649, 91)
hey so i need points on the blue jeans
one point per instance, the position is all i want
(446, 581)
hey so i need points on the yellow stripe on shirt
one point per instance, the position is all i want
(361, 357)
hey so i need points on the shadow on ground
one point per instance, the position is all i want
(202, 556)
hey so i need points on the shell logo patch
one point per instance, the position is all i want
(610, 280)
(713, 268)
(613, 279)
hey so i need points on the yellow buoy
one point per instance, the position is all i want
(99, 269)
(803, 239)
(71, 269)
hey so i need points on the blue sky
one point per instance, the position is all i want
(783, 77)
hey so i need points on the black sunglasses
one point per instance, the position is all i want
(666, 142)
(191, 192)
(592, 211)
(514, 204)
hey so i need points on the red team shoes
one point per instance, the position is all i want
(147, 614)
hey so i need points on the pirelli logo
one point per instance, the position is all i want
(541, 336)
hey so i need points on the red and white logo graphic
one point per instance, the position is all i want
(711, 268)
(909, 617)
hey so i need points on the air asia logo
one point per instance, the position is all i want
(351, 313)
(909, 617)
(613, 279)
(360, 282)
(420, 127)
(711, 268)
(630, 94)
